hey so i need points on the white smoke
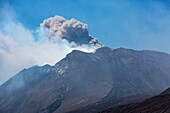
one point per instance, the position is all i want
(19, 49)
(72, 30)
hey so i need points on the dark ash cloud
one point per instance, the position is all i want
(72, 30)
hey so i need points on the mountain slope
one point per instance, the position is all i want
(82, 79)
(156, 104)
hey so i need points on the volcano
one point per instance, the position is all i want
(87, 82)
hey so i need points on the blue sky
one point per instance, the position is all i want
(136, 24)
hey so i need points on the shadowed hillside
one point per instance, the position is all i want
(103, 78)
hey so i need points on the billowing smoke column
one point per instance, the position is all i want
(74, 31)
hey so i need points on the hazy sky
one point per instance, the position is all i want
(136, 24)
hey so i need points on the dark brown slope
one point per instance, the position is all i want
(83, 79)
(156, 104)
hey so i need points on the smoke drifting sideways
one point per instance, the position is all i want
(22, 48)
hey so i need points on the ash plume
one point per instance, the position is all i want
(74, 31)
